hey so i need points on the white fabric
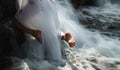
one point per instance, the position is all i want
(21, 4)
(42, 15)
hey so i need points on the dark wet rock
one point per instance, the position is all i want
(11, 39)
(9, 44)
(93, 60)
(115, 1)
(86, 12)
(5, 63)
(107, 24)
(79, 3)
(96, 67)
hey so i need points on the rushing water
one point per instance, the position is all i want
(89, 42)
(87, 39)
(106, 14)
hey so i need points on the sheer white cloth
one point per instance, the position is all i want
(42, 15)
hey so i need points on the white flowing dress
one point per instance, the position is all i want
(41, 15)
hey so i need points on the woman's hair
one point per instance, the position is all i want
(9, 7)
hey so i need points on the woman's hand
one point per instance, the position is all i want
(37, 35)
(68, 38)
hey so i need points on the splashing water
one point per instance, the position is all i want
(89, 44)
(85, 38)
(108, 13)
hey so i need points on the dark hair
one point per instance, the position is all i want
(8, 7)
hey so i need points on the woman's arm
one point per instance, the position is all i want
(33, 32)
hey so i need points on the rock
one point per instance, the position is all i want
(115, 1)
(78, 3)
(83, 59)
(101, 19)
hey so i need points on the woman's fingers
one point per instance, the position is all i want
(37, 35)
(71, 42)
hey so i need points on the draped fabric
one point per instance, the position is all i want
(42, 15)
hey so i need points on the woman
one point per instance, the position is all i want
(39, 19)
